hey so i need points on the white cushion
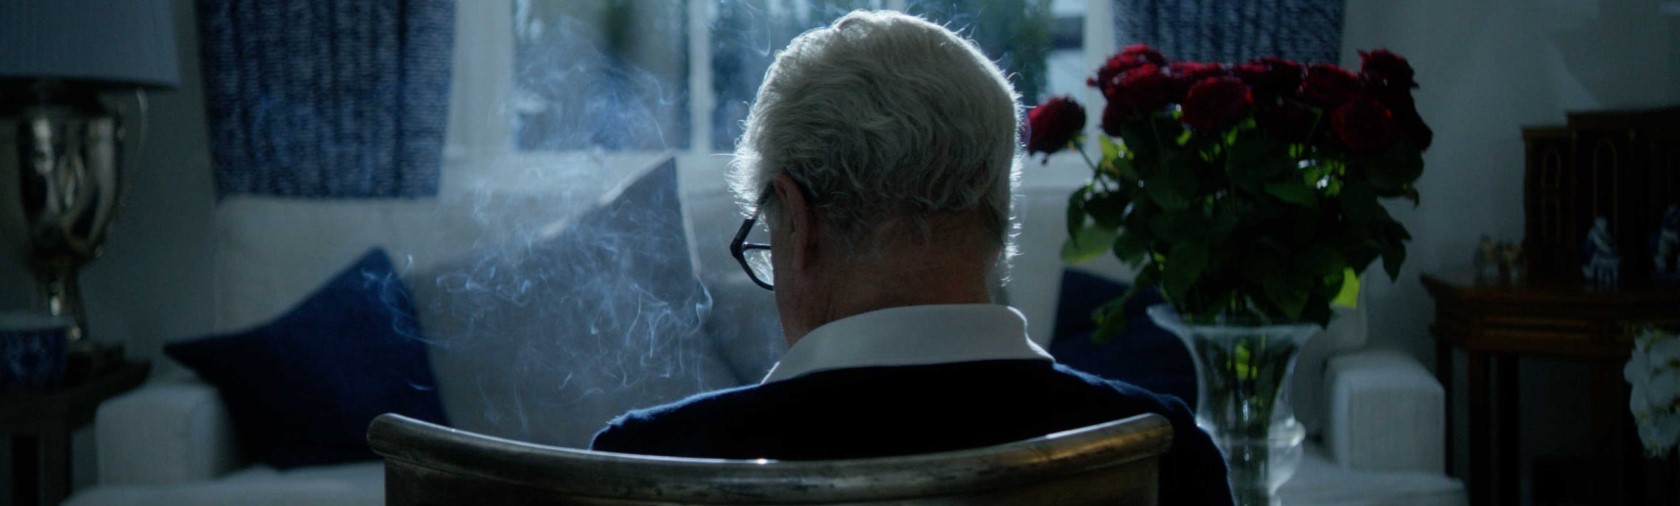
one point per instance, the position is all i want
(1320, 482)
(169, 431)
(272, 252)
(1386, 413)
(546, 339)
(357, 484)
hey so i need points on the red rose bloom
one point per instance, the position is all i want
(1364, 126)
(1114, 115)
(1131, 57)
(1382, 69)
(1398, 100)
(1053, 124)
(1412, 125)
(1329, 86)
(1145, 88)
(1216, 103)
(1289, 122)
(1270, 77)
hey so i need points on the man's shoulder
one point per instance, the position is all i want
(667, 428)
(1123, 392)
(1049, 393)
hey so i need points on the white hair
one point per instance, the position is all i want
(883, 116)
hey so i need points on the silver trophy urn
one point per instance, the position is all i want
(62, 149)
(67, 150)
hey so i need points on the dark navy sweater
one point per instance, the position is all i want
(887, 411)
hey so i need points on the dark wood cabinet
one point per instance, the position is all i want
(1623, 166)
(1494, 326)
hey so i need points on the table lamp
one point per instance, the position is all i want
(59, 61)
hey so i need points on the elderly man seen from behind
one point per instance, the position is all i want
(881, 153)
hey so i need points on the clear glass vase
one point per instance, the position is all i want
(1242, 389)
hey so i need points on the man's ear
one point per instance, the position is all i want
(800, 219)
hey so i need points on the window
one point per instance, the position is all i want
(680, 75)
(601, 73)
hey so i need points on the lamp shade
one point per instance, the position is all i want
(112, 42)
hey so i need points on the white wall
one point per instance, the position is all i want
(1487, 68)
(153, 285)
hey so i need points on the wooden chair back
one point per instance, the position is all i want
(1114, 463)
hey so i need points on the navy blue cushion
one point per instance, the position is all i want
(1143, 354)
(303, 388)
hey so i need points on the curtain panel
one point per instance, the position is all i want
(327, 99)
(1233, 30)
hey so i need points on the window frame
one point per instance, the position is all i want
(480, 138)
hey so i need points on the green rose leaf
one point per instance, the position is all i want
(1185, 265)
(1087, 243)
(1123, 168)
(1076, 210)
(1140, 140)
(1294, 193)
(1319, 260)
(1251, 162)
(1131, 247)
(1317, 310)
(1393, 255)
(1395, 232)
(1348, 296)
(1360, 205)
(1110, 150)
(1289, 293)
(1394, 169)
(1111, 317)
(1260, 266)
(1179, 226)
(1174, 184)
(1107, 208)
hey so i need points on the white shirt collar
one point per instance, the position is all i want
(911, 335)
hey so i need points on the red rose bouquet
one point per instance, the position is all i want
(1248, 193)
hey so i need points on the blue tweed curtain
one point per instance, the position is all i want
(1233, 30)
(327, 99)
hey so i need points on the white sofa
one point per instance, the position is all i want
(1379, 414)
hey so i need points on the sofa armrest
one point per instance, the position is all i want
(1386, 413)
(168, 431)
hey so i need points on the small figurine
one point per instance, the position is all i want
(1511, 269)
(1665, 244)
(1601, 264)
(1486, 261)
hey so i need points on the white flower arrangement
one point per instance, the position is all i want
(1654, 371)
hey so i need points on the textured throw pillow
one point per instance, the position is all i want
(547, 336)
(1143, 354)
(303, 388)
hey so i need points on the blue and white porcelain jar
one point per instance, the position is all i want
(33, 351)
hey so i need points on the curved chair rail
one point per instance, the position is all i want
(1114, 463)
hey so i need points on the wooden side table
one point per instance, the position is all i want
(39, 426)
(1494, 325)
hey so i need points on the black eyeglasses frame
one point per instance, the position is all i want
(738, 249)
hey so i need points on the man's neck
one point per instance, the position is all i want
(937, 279)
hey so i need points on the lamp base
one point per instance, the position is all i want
(61, 295)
